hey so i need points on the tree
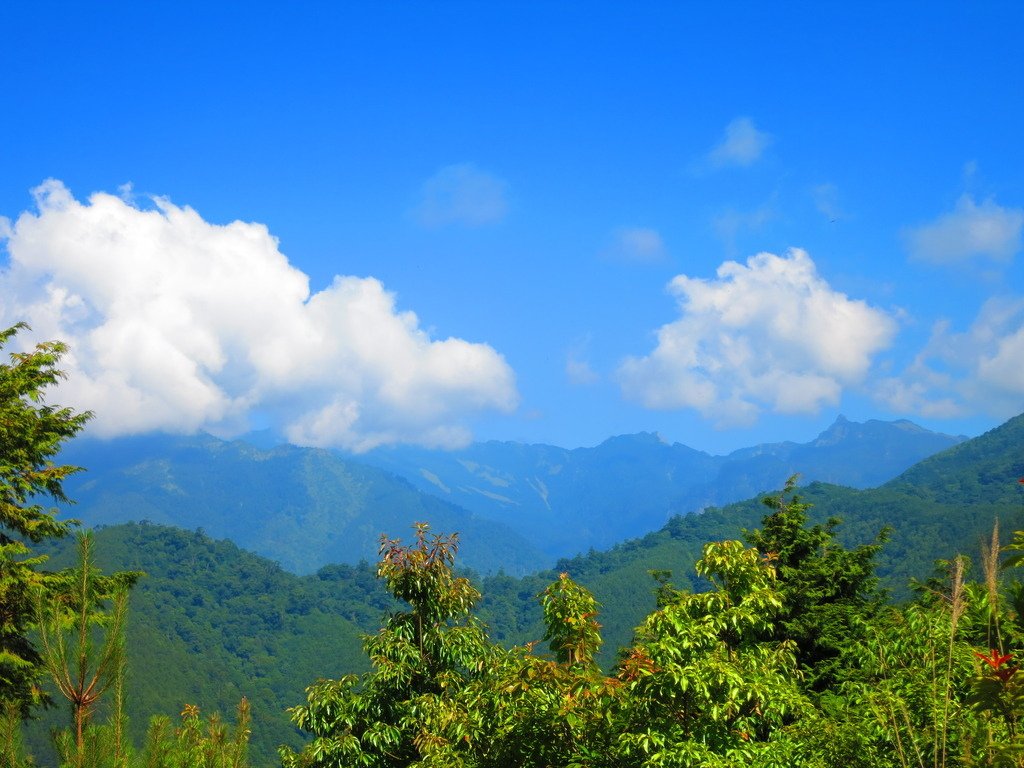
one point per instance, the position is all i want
(702, 685)
(441, 694)
(531, 711)
(380, 719)
(190, 745)
(83, 649)
(31, 434)
(570, 617)
(827, 590)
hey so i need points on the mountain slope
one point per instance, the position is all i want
(517, 506)
(977, 471)
(302, 507)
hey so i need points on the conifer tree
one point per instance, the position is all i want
(31, 434)
(827, 590)
(83, 649)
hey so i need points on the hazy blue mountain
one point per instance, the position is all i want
(568, 501)
(302, 507)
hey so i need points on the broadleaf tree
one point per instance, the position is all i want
(420, 655)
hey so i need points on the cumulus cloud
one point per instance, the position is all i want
(178, 324)
(462, 194)
(741, 145)
(636, 244)
(768, 334)
(969, 231)
(966, 372)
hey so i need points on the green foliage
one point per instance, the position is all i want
(1015, 548)
(81, 619)
(533, 711)
(419, 655)
(572, 629)
(441, 694)
(12, 748)
(700, 686)
(912, 676)
(249, 628)
(31, 434)
(827, 591)
(83, 651)
(194, 744)
(226, 624)
(524, 710)
(703, 687)
(706, 682)
(719, 677)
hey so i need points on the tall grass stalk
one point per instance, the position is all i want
(956, 609)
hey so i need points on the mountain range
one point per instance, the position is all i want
(574, 500)
(518, 507)
(303, 507)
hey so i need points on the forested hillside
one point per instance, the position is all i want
(210, 623)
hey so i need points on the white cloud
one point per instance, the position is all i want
(980, 370)
(636, 244)
(729, 224)
(462, 194)
(770, 334)
(578, 369)
(742, 145)
(826, 200)
(968, 231)
(580, 372)
(178, 324)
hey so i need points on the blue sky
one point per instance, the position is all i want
(727, 223)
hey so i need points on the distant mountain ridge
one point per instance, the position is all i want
(518, 507)
(303, 507)
(576, 499)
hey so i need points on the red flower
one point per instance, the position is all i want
(996, 661)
